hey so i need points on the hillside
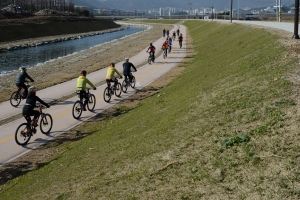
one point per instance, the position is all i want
(42, 26)
(226, 126)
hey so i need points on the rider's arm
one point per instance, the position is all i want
(133, 66)
(118, 72)
(90, 83)
(27, 76)
(42, 102)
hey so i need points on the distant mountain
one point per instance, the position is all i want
(178, 4)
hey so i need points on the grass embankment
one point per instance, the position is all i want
(234, 92)
(51, 26)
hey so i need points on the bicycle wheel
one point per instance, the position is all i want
(91, 103)
(149, 60)
(133, 82)
(107, 94)
(118, 90)
(164, 54)
(15, 99)
(46, 123)
(22, 135)
(77, 109)
(124, 86)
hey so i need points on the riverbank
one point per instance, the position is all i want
(69, 67)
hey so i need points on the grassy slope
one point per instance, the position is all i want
(33, 29)
(169, 145)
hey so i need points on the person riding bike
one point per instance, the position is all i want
(164, 32)
(28, 109)
(110, 75)
(168, 33)
(174, 35)
(81, 88)
(178, 32)
(180, 39)
(152, 51)
(20, 82)
(165, 47)
(126, 69)
(170, 44)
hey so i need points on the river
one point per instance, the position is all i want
(34, 56)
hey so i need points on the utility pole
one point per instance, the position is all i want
(190, 4)
(296, 20)
(231, 11)
(212, 13)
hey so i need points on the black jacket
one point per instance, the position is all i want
(126, 68)
(22, 77)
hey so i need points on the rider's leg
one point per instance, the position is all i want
(36, 115)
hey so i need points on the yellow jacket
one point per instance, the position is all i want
(81, 83)
(111, 72)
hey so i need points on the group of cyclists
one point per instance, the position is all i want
(167, 44)
(30, 93)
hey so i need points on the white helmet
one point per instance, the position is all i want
(32, 89)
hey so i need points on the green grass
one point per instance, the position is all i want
(169, 145)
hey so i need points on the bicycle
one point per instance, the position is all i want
(17, 96)
(164, 53)
(151, 57)
(109, 91)
(78, 105)
(126, 84)
(23, 135)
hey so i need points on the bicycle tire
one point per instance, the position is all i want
(107, 94)
(77, 109)
(164, 54)
(21, 137)
(15, 99)
(91, 102)
(46, 123)
(118, 90)
(124, 86)
(149, 60)
(133, 81)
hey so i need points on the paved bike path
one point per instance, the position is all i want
(62, 112)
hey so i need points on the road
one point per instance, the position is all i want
(62, 112)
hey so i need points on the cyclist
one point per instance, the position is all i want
(174, 35)
(126, 69)
(110, 75)
(164, 32)
(165, 47)
(178, 32)
(20, 82)
(152, 51)
(168, 33)
(180, 38)
(81, 88)
(28, 109)
(170, 44)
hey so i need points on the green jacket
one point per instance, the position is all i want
(81, 83)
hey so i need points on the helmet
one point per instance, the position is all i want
(22, 68)
(83, 72)
(32, 89)
(126, 59)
